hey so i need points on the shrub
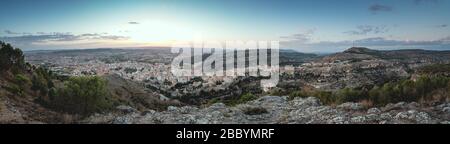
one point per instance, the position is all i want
(234, 101)
(439, 69)
(425, 88)
(294, 94)
(213, 101)
(276, 92)
(82, 95)
(324, 96)
(15, 89)
(348, 95)
(247, 97)
(22, 80)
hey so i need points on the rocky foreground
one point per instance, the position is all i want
(274, 110)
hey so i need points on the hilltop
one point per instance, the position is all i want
(405, 55)
(358, 66)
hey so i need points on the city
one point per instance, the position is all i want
(224, 62)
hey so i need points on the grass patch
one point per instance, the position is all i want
(233, 101)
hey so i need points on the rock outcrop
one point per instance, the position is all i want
(279, 110)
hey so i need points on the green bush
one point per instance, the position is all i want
(435, 69)
(213, 101)
(241, 99)
(324, 96)
(15, 89)
(81, 95)
(301, 94)
(277, 92)
(408, 90)
(349, 95)
(22, 80)
(247, 97)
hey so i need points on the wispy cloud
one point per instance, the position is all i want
(298, 38)
(425, 1)
(376, 8)
(132, 22)
(441, 26)
(368, 29)
(11, 32)
(43, 37)
(380, 41)
(304, 36)
(445, 40)
(90, 34)
(111, 37)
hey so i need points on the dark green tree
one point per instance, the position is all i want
(83, 95)
(11, 57)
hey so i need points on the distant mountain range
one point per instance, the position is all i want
(361, 53)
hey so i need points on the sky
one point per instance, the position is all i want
(303, 25)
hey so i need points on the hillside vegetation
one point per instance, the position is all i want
(76, 95)
(41, 96)
(424, 89)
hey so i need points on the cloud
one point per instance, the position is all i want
(132, 22)
(11, 32)
(441, 26)
(368, 29)
(90, 34)
(303, 36)
(425, 1)
(42, 37)
(445, 40)
(380, 41)
(379, 8)
(112, 37)
(297, 39)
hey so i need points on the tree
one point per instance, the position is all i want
(82, 95)
(11, 57)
